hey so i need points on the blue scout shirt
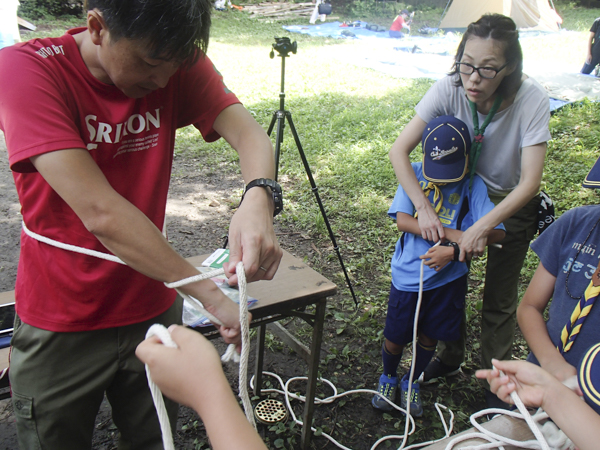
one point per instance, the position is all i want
(406, 264)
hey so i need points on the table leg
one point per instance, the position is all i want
(313, 370)
(258, 364)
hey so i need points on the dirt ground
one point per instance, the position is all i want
(198, 214)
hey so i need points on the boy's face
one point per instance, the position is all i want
(126, 64)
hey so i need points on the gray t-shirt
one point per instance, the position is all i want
(522, 124)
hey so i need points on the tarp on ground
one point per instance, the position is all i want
(527, 14)
(432, 57)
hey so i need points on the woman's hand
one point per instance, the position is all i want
(472, 243)
(429, 223)
(438, 257)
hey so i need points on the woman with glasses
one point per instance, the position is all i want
(508, 113)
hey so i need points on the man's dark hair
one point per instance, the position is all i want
(504, 30)
(172, 29)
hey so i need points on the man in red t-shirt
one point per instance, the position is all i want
(401, 22)
(90, 121)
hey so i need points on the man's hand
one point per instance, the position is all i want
(252, 238)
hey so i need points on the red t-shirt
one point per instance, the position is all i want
(398, 24)
(50, 101)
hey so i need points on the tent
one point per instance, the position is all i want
(527, 14)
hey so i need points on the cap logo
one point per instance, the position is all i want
(437, 154)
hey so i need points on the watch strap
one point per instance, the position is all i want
(275, 191)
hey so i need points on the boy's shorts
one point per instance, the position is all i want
(440, 315)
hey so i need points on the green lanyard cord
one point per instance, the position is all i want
(478, 131)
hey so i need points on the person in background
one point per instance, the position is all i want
(507, 113)
(401, 22)
(460, 201)
(592, 58)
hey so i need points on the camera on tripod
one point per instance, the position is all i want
(283, 45)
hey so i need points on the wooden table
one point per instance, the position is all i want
(294, 287)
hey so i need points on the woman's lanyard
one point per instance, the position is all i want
(478, 131)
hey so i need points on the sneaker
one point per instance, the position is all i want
(436, 369)
(416, 407)
(387, 387)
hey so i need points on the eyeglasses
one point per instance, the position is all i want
(484, 72)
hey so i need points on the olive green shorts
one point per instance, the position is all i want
(59, 380)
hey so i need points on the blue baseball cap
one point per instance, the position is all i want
(588, 377)
(592, 180)
(446, 144)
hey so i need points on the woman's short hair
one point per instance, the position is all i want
(504, 30)
(172, 29)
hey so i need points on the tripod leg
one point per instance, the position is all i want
(315, 190)
(280, 117)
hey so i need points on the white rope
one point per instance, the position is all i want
(288, 395)
(71, 248)
(163, 418)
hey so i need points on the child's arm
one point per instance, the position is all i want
(192, 375)
(531, 321)
(538, 389)
(438, 257)
(407, 223)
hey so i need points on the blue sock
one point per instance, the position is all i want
(422, 358)
(390, 361)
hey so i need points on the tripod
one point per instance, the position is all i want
(283, 47)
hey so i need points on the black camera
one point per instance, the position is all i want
(283, 45)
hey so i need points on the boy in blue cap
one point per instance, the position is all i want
(460, 201)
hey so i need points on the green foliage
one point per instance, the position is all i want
(40, 9)
(575, 16)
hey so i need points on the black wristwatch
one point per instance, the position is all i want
(273, 187)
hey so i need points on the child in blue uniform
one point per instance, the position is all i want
(460, 201)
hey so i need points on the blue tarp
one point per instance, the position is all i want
(419, 56)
